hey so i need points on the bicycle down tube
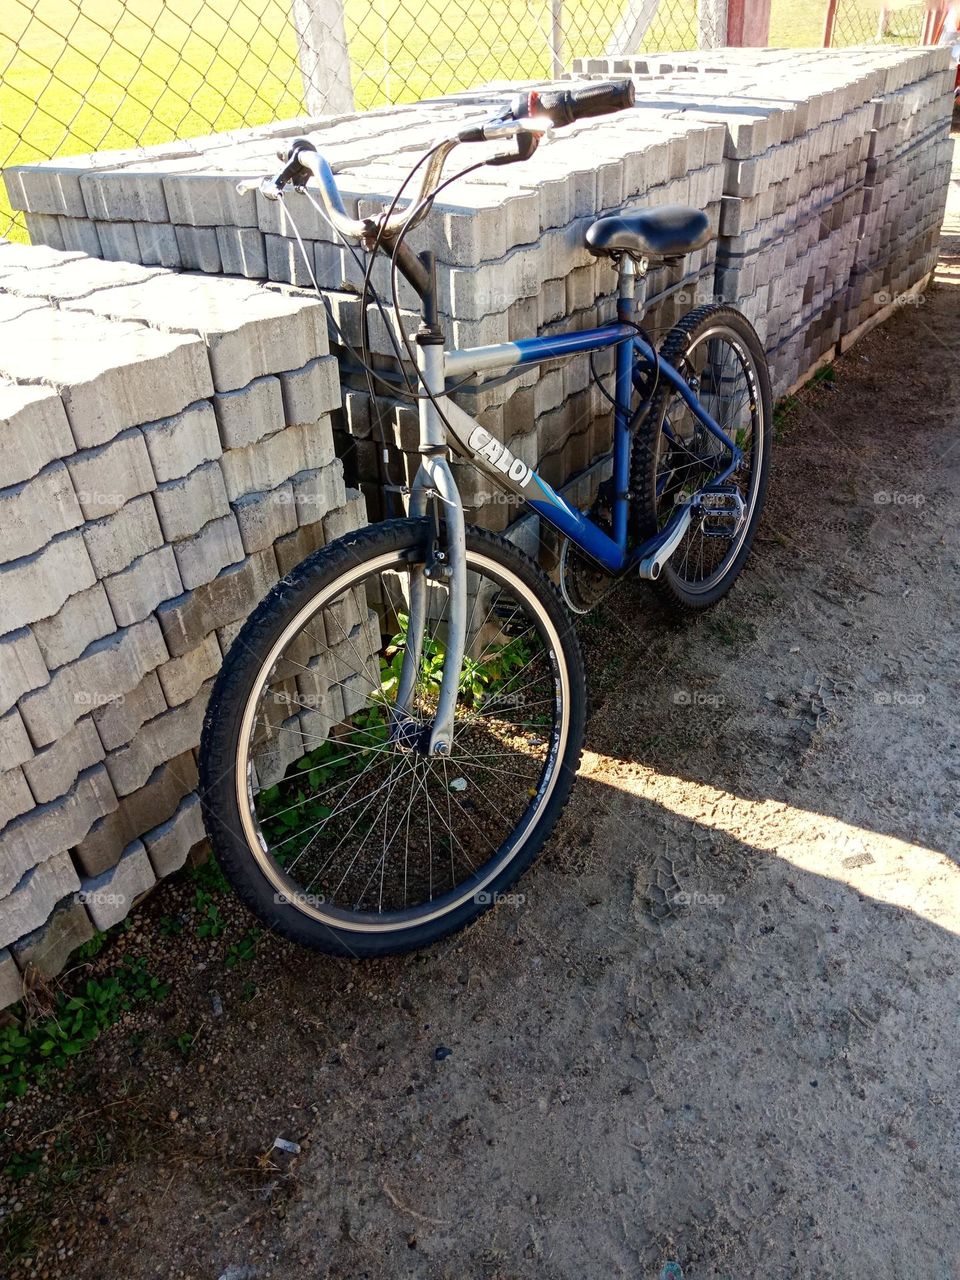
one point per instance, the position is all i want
(511, 473)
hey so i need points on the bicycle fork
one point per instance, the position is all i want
(447, 558)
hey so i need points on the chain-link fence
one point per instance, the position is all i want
(84, 75)
(852, 22)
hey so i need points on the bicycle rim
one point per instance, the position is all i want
(689, 457)
(361, 830)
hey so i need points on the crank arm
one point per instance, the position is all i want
(651, 566)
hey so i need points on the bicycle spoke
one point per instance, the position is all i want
(361, 817)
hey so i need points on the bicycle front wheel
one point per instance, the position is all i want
(326, 814)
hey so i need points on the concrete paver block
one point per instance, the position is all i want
(311, 392)
(242, 252)
(157, 244)
(22, 667)
(249, 330)
(15, 744)
(119, 719)
(47, 830)
(83, 618)
(107, 477)
(109, 897)
(141, 811)
(179, 444)
(273, 460)
(262, 518)
(185, 505)
(33, 430)
(54, 770)
(249, 413)
(35, 511)
(117, 540)
(169, 735)
(111, 375)
(11, 980)
(16, 798)
(48, 948)
(217, 546)
(169, 844)
(29, 904)
(36, 586)
(232, 595)
(181, 678)
(106, 671)
(199, 248)
(146, 582)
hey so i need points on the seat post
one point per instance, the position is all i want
(629, 271)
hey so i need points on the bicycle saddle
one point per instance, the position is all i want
(668, 232)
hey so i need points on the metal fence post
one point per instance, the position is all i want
(556, 38)
(632, 27)
(323, 56)
(711, 24)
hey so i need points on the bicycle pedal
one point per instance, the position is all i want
(723, 512)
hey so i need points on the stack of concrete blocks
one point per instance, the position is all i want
(509, 244)
(523, 271)
(821, 150)
(907, 177)
(824, 173)
(166, 454)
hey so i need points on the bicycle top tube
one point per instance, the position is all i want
(460, 363)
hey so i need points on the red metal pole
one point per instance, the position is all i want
(828, 25)
(748, 23)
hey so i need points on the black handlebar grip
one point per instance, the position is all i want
(563, 106)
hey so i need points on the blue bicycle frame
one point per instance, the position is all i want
(434, 479)
(635, 357)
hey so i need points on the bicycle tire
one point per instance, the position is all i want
(317, 578)
(712, 318)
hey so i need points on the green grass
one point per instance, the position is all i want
(84, 75)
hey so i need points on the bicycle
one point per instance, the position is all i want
(397, 727)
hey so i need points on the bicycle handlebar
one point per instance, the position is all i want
(564, 106)
(525, 120)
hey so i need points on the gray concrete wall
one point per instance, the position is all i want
(166, 454)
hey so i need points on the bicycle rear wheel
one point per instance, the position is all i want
(326, 814)
(674, 456)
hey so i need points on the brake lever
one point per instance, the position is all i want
(527, 144)
(266, 186)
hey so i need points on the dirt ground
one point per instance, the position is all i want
(720, 1031)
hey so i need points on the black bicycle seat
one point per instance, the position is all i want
(669, 232)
